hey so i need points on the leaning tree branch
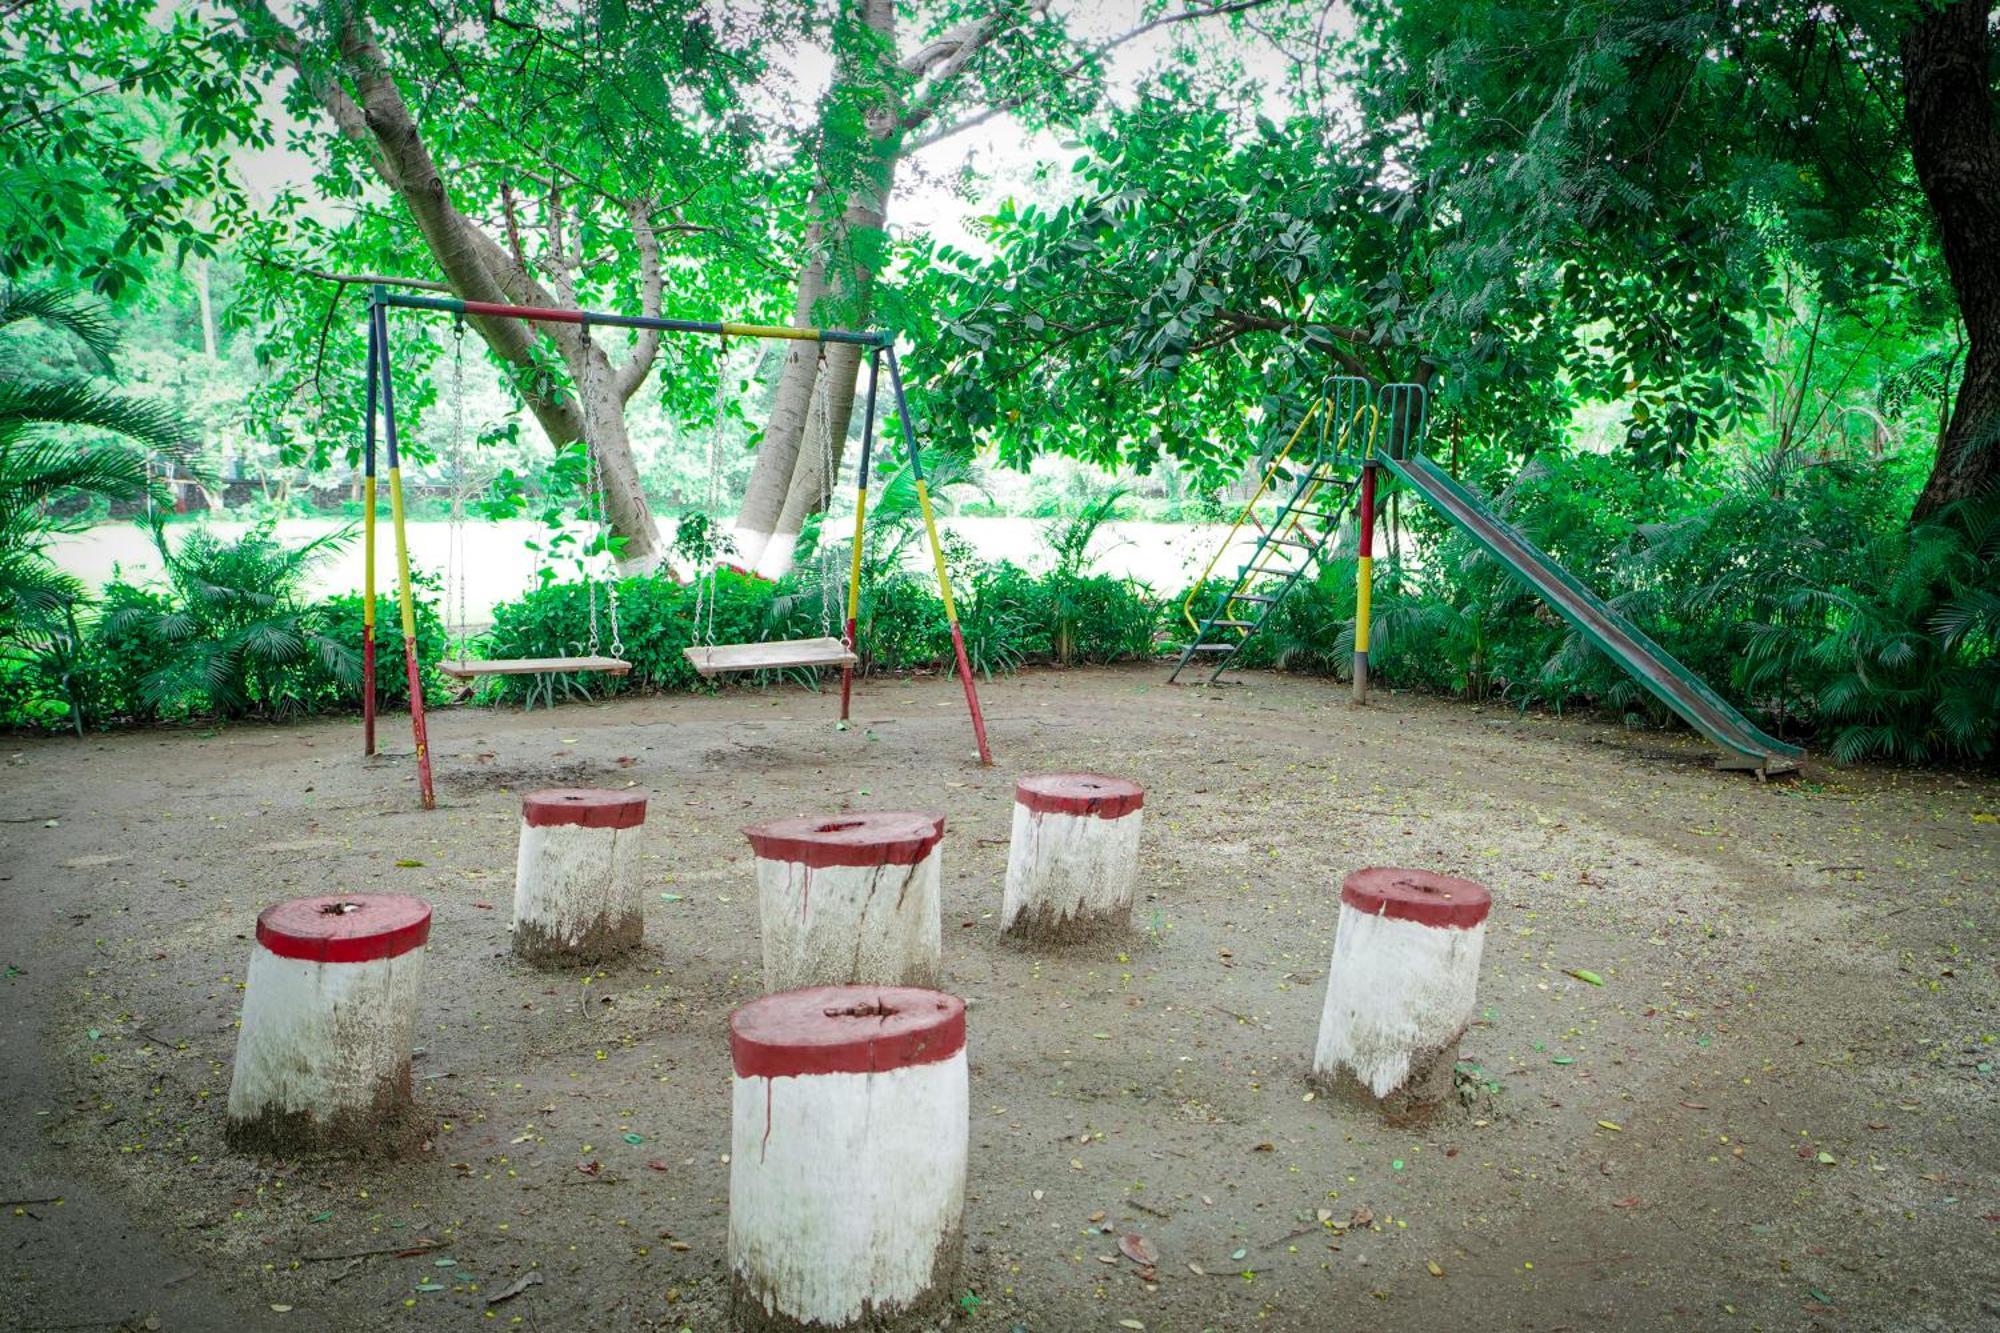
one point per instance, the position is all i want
(1098, 52)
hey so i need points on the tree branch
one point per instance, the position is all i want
(353, 279)
(626, 381)
(1098, 52)
(970, 40)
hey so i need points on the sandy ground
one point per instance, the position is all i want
(1777, 1112)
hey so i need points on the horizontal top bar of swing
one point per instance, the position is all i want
(539, 314)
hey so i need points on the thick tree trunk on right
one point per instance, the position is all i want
(1948, 104)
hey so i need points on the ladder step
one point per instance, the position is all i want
(1232, 624)
(1215, 648)
(1252, 597)
(1289, 541)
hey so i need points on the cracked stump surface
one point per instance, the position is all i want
(1794, 1038)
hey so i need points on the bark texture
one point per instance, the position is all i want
(1948, 105)
(359, 92)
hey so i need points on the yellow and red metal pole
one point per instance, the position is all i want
(1364, 577)
(405, 598)
(368, 549)
(860, 528)
(937, 555)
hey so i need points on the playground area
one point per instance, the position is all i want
(1732, 1065)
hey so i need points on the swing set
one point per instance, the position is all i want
(709, 659)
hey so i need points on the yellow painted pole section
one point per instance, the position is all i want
(408, 603)
(770, 331)
(368, 562)
(1364, 596)
(937, 551)
(1187, 603)
(854, 570)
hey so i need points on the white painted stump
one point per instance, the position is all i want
(329, 1018)
(576, 876)
(1401, 988)
(849, 898)
(847, 1158)
(1073, 864)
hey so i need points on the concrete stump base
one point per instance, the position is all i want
(577, 898)
(848, 1151)
(1401, 989)
(1073, 861)
(329, 1020)
(849, 898)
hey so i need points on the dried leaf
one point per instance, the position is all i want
(1614, 1128)
(1437, 1270)
(1138, 1249)
(516, 1287)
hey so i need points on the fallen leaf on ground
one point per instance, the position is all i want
(1585, 975)
(1140, 1251)
(1614, 1128)
(516, 1287)
(1437, 1270)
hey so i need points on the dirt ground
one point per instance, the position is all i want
(1776, 1112)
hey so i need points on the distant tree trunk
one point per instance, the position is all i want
(1948, 103)
(207, 304)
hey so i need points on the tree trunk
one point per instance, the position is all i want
(778, 454)
(1948, 104)
(789, 482)
(207, 305)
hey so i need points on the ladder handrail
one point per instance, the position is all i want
(1277, 461)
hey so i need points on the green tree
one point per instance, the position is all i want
(49, 455)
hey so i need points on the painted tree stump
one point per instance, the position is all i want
(329, 1019)
(1401, 988)
(1073, 863)
(847, 1158)
(576, 876)
(849, 898)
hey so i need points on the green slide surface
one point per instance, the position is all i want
(1648, 663)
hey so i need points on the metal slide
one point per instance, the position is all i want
(1746, 746)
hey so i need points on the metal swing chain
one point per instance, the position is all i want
(585, 382)
(823, 403)
(455, 549)
(704, 589)
(601, 497)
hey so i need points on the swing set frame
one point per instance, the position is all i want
(380, 395)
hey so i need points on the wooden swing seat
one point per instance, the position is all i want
(531, 666)
(723, 658)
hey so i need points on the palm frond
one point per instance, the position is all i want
(86, 321)
(31, 407)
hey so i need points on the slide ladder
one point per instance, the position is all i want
(1322, 491)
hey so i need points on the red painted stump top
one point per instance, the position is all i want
(845, 1030)
(1080, 794)
(584, 807)
(1417, 895)
(884, 838)
(345, 928)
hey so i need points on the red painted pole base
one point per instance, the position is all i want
(971, 696)
(417, 723)
(368, 689)
(847, 674)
